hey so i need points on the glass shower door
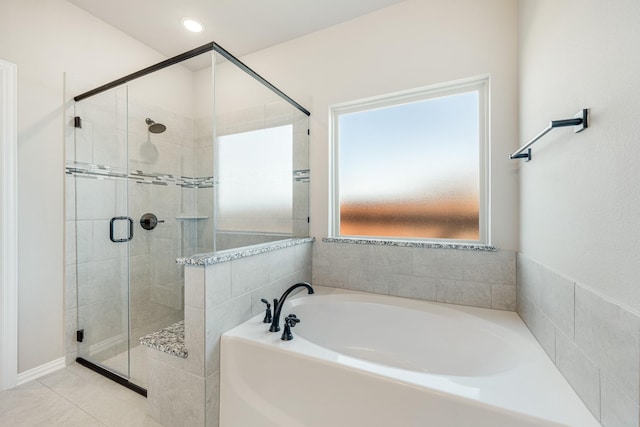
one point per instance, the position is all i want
(103, 230)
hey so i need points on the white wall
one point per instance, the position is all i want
(412, 44)
(579, 197)
(45, 39)
(408, 45)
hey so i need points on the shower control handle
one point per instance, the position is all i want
(149, 221)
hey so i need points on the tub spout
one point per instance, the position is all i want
(278, 303)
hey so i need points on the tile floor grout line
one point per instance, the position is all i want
(55, 389)
(70, 401)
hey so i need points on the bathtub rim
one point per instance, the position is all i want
(458, 387)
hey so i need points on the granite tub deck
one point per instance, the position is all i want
(168, 340)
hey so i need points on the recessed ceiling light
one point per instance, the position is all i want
(192, 25)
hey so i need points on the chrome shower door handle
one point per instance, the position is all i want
(111, 229)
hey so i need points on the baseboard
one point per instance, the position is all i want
(40, 371)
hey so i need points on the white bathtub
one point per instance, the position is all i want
(360, 359)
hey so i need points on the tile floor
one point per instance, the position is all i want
(74, 396)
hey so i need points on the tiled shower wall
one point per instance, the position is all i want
(271, 114)
(156, 165)
(155, 175)
(156, 282)
(203, 229)
(593, 341)
(90, 258)
(469, 277)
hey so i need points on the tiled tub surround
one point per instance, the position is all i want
(593, 341)
(474, 275)
(220, 293)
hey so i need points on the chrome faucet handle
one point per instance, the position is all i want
(267, 314)
(289, 322)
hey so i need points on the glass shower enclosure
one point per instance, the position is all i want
(165, 165)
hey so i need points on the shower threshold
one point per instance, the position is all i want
(112, 376)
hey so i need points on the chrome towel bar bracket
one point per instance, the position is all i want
(579, 122)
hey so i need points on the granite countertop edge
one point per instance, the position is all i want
(231, 254)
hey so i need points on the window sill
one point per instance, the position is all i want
(412, 244)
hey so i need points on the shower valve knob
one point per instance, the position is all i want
(149, 221)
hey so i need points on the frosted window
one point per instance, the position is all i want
(255, 180)
(411, 169)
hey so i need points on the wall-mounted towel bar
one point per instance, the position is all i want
(579, 122)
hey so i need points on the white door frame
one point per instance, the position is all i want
(8, 225)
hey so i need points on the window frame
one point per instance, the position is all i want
(481, 84)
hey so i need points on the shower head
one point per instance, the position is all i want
(155, 127)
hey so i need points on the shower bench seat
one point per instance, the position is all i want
(168, 340)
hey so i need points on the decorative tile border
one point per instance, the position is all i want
(412, 244)
(169, 340)
(301, 175)
(95, 171)
(231, 254)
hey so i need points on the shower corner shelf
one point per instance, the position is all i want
(194, 217)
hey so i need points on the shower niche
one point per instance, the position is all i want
(200, 156)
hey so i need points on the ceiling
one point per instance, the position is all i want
(240, 26)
